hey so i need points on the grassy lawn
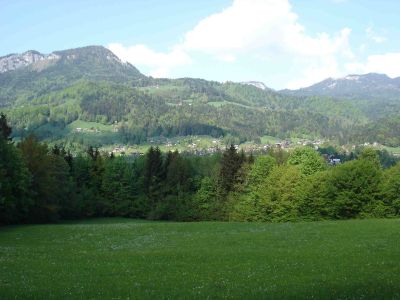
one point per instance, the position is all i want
(392, 150)
(266, 139)
(121, 258)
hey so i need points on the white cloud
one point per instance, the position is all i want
(315, 72)
(261, 26)
(260, 29)
(388, 63)
(372, 35)
(269, 28)
(158, 62)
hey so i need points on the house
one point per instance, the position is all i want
(334, 161)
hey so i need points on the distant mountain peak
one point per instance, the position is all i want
(257, 84)
(351, 77)
(61, 69)
(363, 86)
(97, 51)
(15, 61)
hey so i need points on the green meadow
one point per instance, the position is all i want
(123, 258)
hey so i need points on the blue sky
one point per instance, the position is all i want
(284, 43)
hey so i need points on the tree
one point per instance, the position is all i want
(245, 201)
(230, 164)
(279, 155)
(205, 200)
(260, 170)
(50, 180)
(5, 129)
(308, 160)
(391, 189)
(279, 195)
(119, 188)
(316, 198)
(178, 174)
(251, 159)
(371, 155)
(15, 180)
(84, 193)
(353, 189)
(153, 173)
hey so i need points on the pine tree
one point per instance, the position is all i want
(250, 159)
(230, 164)
(153, 175)
(50, 181)
(15, 179)
(5, 129)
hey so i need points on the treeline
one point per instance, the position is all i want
(39, 184)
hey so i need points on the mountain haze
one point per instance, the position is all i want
(367, 86)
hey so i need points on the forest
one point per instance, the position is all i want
(40, 184)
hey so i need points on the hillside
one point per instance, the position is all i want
(24, 77)
(44, 94)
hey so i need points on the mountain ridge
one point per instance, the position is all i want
(15, 61)
(44, 95)
(38, 73)
(369, 86)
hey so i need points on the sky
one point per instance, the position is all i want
(283, 43)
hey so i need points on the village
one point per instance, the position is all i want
(206, 145)
(202, 146)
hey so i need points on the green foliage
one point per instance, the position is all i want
(120, 189)
(153, 175)
(41, 184)
(308, 160)
(391, 188)
(5, 129)
(279, 195)
(15, 197)
(246, 203)
(182, 107)
(205, 200)
(231, 162)
(371, 155)
(347, 191)
(50, 180)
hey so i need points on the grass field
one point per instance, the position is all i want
(88, 125)
(121, 258)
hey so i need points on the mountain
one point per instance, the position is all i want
(257, 84)
(367, 86)
(15, 61)
(32, 73)
(53, 95)
(85, 57)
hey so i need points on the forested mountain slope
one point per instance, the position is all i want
(46, 94)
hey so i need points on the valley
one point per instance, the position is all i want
(52, 94)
